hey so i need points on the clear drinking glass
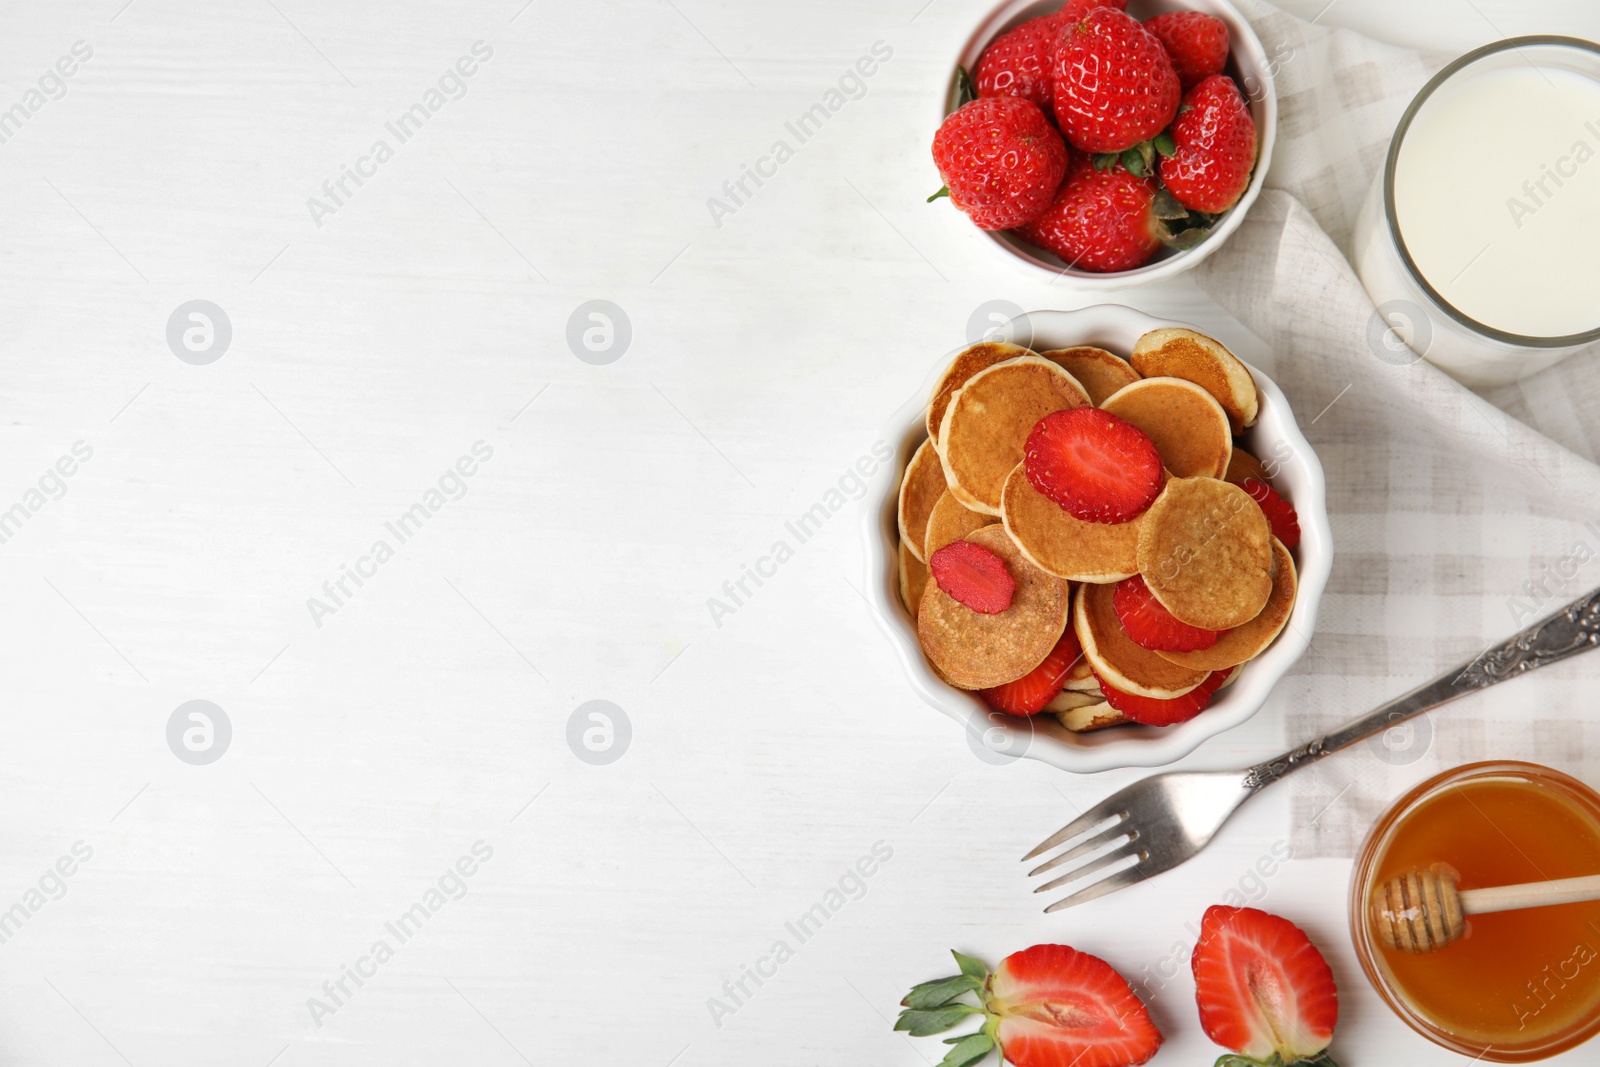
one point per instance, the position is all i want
(1480, 240)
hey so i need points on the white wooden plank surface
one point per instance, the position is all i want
(429, 712)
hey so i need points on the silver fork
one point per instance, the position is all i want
(1163, 820)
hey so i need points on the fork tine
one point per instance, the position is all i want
(1121, 880)
(1111, 833)
(1107, 808)
(1114, 856)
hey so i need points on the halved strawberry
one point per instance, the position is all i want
(974, 576)
(1029, 694)
(1149, 625)
(1058, 1007)
(1279, 512)
(1097, 467)
(1263, 988)
(1152, 712)
(1046, 1006)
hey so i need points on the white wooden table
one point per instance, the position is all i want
(422, 714)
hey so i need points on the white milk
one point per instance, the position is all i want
(1497, 195)
(1497, 198)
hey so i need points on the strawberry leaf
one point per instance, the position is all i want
(1164, 144)
(1166, 206)
(941, 991)
(1105, 160)
(966, 91)
(970, 967)
(1133, 163)
(968, 1050)
(934, 1020)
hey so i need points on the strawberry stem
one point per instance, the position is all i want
(944, 190)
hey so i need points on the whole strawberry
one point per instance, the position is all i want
(1114, 84)
(1100, 220)
(1196, 43)
(1076, 9)
(1214, 142)
(1019, 61)
(1001, 160)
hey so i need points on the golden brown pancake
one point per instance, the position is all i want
(951, 521)
(967, 363)
(1081, 676)
(1101, 373)
(1242, 465)
(1196, 358)
(1114, 656)
(913, 578)
(1249, 640)
(976, 651)
(1205, 551)
(1096, 716)
(1189, 428)
(1066, 546)
(988, 421)
(920, 489)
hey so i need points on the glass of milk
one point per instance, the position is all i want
(1480, 241)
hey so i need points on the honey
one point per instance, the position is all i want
(1519, 985)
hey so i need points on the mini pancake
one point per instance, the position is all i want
(1245, 642)
(1114, 656)
(920, 489)
(1101, 373)
(967, 363)
(1096, 716)
(1242, 465)
(988, 422)
(913, 579)
(1067, 700)
(976, 651)
(1205, 551)
(1194, 357)
(1081, 676)
(1188, 426)
(1066, 546)
(950, 521)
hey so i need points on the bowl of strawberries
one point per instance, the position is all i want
(1112, 142)
(1104, 542)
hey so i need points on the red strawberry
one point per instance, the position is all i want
(1214, 141)
(1046, 1006)
(1073, 10)
(1262, 986)
(1097, 467)
(1153, 712)
(1100, 221)
(1114, 85)
(1280, 513)
(1019, 61)
(974, 576)
(1059, 1007)
(1001, 160)
(1196, 43)
(1149, 625)
(1029, 694)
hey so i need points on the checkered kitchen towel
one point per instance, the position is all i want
(1457, 517)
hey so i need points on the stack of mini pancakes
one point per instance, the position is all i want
(1204, 547)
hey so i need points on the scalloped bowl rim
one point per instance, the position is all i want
(1114, 327)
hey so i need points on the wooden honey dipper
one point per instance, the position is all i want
(1423, 910)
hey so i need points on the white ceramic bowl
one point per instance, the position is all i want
(1275, 439)
(1249, 65)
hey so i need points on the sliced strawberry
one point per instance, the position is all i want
(1058, 1007)
(1262, 986)
(1029, 694)
(1279, 512)
(1149, 625)
(1097, 467)
(1153, 712)
(974, 576)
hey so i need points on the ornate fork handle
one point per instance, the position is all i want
(1573, 629)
